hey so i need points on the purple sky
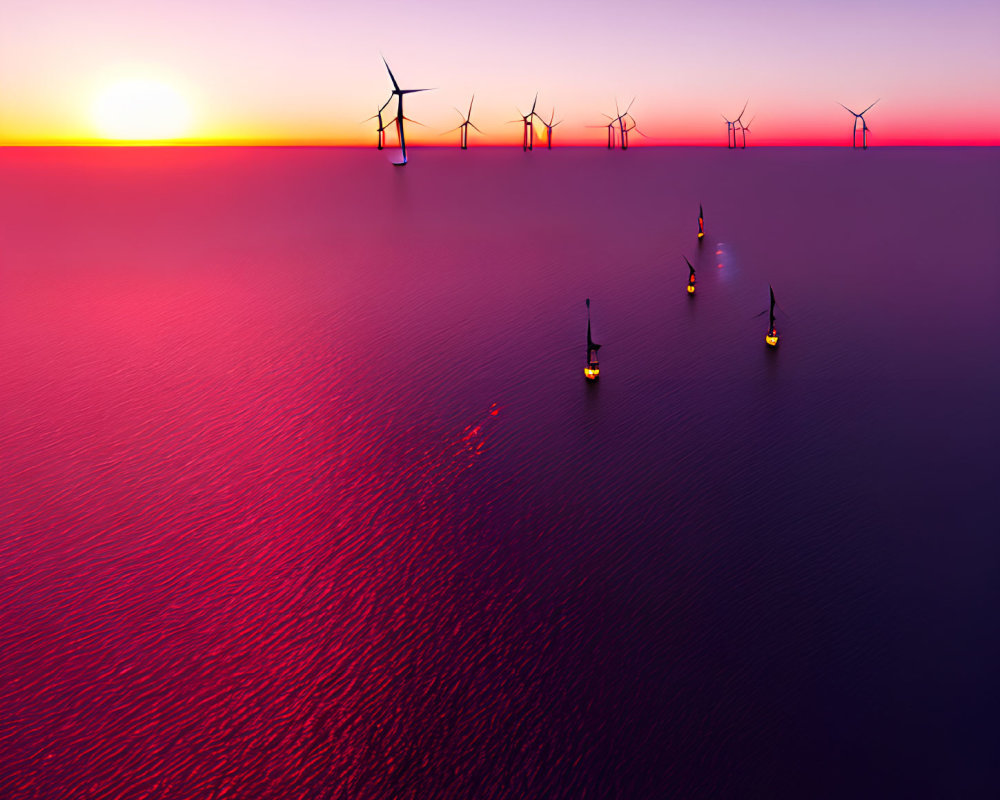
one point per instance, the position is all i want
(309, 71)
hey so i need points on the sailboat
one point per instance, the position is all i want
(701, 222)
(772, 333)
(593, 369)
(691, 282)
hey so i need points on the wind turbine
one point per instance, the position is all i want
(464, 127)
(730, 133)
(731, 127)
(548, 128)
(611, 130)
(744, 129)
(381, 125)
(630, 121)
(528, 141)
(622, 125)
(864, 126)
(399, 110)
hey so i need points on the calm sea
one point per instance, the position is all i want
(303, 493)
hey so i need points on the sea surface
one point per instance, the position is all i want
(303, 493)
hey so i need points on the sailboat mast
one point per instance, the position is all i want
(590, 341)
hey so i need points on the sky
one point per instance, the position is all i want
(308, 72)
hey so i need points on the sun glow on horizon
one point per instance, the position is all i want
(141, 110)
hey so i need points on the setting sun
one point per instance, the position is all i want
(141, 111)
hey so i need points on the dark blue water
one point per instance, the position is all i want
(305, 495)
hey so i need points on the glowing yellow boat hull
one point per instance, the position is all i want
(771, 340)
(592, 373)
(701, 236)
(690, 288)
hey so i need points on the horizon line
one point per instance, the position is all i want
(181, 143)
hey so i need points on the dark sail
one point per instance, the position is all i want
(690, 268)
(590, 341)
(771, 327)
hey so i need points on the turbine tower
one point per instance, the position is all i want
(630, 125)
(548, 129)
(381, 125)
(528, 140)
(745, 129)
(864, 126)
(466, 124)
(739, 121)
(730, 133)
(611, 130)
(622, 125)
(731, 127)
(398, 93)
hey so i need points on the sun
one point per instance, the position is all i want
(141, 111)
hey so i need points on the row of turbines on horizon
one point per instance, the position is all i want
(625, 122)
(732, 125)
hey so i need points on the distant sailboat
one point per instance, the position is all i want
(593, 369)
(772, 333)
(701, 223)
(691, 282)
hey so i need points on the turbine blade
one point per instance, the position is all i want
(411, 91)
(451, 131)
(534, 103)
(846, 109)
(630, 104)
(870, 107)
(391, 76)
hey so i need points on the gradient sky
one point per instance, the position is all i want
(307, 72)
